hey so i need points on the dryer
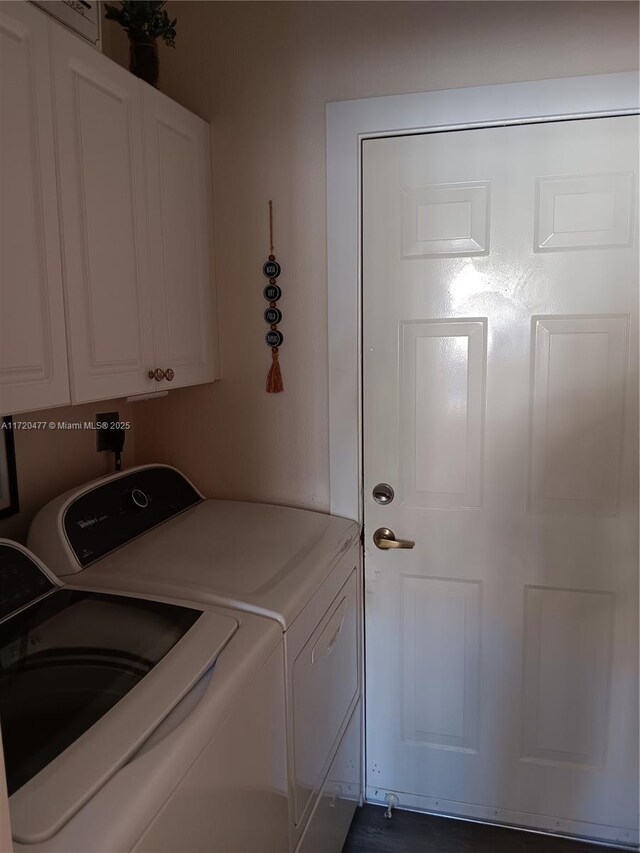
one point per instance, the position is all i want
(125, 717)
(149, 530)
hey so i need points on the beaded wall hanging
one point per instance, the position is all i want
(273, 315)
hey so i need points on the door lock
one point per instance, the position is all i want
(385, 539)
(383, 494)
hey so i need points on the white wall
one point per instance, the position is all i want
(262, 73)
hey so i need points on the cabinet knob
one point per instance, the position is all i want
(157, 374)
(169, 374)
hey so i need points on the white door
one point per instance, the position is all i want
(33, 355)
(500, 403)
(103, 205)
(181, 236)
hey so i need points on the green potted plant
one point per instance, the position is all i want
(145, 21)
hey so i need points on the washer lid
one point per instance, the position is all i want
(264, 559)
(58, 652)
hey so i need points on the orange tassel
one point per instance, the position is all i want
(274, 377)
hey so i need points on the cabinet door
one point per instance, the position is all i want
(180, 237)
(33, 356)
(102, 195)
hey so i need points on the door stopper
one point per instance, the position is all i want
(392, 801)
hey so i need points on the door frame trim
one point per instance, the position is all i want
(349, 123)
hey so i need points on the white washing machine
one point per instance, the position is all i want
(149, 530)
(126, 716)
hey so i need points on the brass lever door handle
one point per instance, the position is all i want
(385, 539)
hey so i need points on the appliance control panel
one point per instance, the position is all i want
(113, 513)
(21, 580)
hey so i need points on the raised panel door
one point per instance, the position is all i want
(500, 356)
(103, 204)
(181, 239)
(33, 356)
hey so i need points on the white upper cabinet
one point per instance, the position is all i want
(180, 238)
(103, 206)
(135, 194)
(132, 209)
(33, 356)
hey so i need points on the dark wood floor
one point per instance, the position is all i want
(408, 832)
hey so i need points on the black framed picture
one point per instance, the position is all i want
(8, 474)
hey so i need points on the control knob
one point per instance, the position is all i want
(139, 498)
